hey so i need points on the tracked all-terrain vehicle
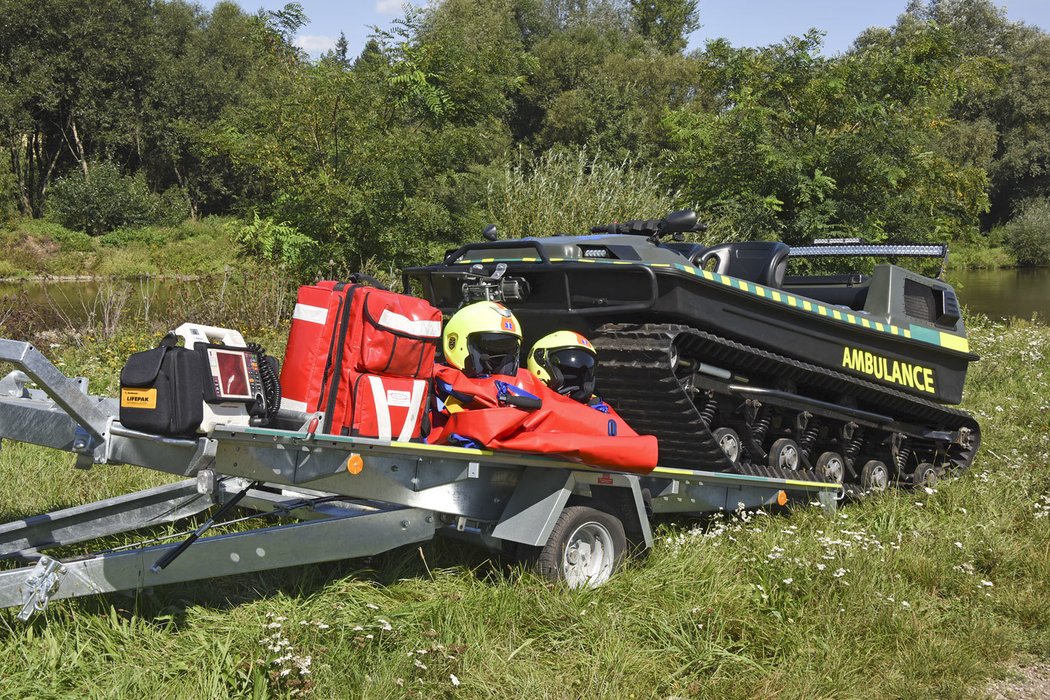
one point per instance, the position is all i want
(736, 366)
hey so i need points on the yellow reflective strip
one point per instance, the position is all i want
(724, 280)
(761, 291)
(806, 305)
(528, 259)
(661, 265)
(442, 448)
(907, 333)
(812, 484)
(707, 275)
(954, 342)
(865, 322)
(742, 284)
(671, 470)
(776, 295)
(851, 318)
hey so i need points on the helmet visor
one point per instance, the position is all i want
(492, 353)
(576, 367)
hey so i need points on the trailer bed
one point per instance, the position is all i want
(331, 497)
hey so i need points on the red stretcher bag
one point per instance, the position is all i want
(342, 331)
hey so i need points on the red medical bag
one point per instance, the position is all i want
(342, 332)
(388, 408)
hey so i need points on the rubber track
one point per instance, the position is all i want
(636, 377)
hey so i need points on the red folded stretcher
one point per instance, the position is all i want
(478, 411)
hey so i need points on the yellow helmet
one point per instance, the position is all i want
(482, 339)
(565, 361)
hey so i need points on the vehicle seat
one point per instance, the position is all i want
(690, 251)
(764, 262)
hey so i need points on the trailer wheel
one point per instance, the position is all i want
(831, 466)
(584, 549)
(729, 441)
(874, 477)
(784, 454)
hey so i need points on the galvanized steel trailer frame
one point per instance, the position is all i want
(349, 497)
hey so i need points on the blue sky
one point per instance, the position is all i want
(743, 22)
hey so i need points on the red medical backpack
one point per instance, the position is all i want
(364, 356)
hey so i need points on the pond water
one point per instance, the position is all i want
(1001, 294)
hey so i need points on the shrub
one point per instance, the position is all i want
(107, 199)
(274, 242)
(570, 192)
(1027, 235)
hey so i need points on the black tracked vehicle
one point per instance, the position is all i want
(736, 366)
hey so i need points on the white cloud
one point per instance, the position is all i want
(388, 7)
(315, 43)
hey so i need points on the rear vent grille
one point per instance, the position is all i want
(918, 301)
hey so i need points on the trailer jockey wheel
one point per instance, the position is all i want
(924, 475)
(584, 549)
(831, 467)
(729, 441)
(874, 477)
(784, 454)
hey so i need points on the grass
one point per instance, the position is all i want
(910, 595)
(40, 248)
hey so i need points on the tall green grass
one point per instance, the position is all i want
(910, 595)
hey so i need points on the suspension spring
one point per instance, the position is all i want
(853, 446)
(707, 414)
(763, 420)
(809, 435)
(903, 455)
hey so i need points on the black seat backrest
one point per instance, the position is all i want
(764, 262)
(689, 251)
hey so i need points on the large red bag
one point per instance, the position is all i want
(474, 412)
(341, 331)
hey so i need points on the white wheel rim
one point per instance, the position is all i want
(879, 479)
(589, 556)
(788, 457)
(731, 446)
(834, 470)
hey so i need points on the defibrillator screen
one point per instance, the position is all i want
(229, 372)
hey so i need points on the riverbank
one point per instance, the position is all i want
(38, 250)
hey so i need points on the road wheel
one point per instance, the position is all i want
(729, 441)
(924, 475)
(874, 477)
(584, 549)
(784, 454)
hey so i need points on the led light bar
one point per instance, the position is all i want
(851, 249)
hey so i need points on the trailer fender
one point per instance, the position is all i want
(541, 494)
(535, 505)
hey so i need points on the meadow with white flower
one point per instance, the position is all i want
(912, 594)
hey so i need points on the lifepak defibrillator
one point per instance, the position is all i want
(214, 379)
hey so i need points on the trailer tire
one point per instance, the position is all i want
(585, 548)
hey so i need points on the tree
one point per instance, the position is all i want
(666, 22)
(799, 145)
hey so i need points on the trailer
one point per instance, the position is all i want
(314, 497)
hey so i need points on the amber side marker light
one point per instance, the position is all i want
(354, 464)
(782, 498)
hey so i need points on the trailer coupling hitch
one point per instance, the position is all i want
(41, 585)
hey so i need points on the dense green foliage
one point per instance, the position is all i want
(910, 595)
(108, 200)
(1028, 235)
(930, 129)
